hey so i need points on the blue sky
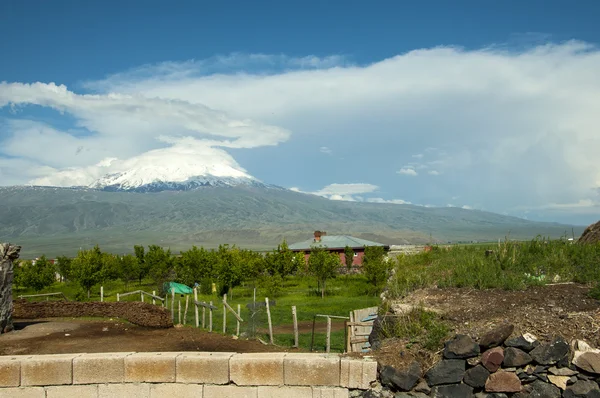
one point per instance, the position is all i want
(486, 105)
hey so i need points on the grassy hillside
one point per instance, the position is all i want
(59, 221)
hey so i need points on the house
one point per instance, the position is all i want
(336, 244)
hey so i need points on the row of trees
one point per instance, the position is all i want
(227, 266)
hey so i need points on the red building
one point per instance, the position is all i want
(336, 244)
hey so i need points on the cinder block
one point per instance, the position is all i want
(10, 371)
(311, 370)
(23, 392)
(72, 391)
(203, 367)
(100, 368)
(287, 392)
(176, 390)
(257, 369)
(330, 392)
(357, 373)
(47, 370)
(152, 367)
(132, 390)
(211, 391)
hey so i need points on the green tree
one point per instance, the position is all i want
(323, 265)
(375, 265)
(160, 264)
(142, 268)
(38, 275)
(280, 261)
(230, 270)
(87, 268)
(195, 265)
(63, 267)
(129, 268)
(349, 256)
(111, 267)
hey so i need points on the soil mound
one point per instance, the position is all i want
(591, 234)
(141, 314)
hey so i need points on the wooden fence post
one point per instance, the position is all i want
(101, 294)
(142, 297)
(203, 317)
(224, 314)
(196, 306)
(295, 318)
(153, 299)
(173, 304)
(269, 320)
(239, 312)
(117, 296)
(187, 301)
(328, 346)
(210, 317)
(179, 311)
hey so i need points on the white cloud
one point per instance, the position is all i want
(407, 170)
(393, 201)
(325, 150)
(346, 192)
(433, 172)
(418, 156)
(488, 119)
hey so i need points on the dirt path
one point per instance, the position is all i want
(74, 336)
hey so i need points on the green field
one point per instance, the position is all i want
(344, 294)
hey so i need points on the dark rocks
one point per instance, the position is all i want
(539, 389)
(562, 371)
(582, 388)
(476, 377)
(588, 361)
(503, 382)
(446, 371)
(422, 387)
(497, 336)
(400, 380)
(516, 357)
(452, 391)
(549, 354)
(492, 358)
(526, 342)
(461, 346)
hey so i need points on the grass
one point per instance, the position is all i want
(344, 294)
(416, 327)
(511, 266)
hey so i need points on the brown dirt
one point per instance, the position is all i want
(591, 234)
(141, 314)
(545, 311)
(54, 336)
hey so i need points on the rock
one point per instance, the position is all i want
(582, 376)
(503, 382)
(497, 336)
(410, 395)
(492, 358)
(476, 377)
(539, 389)
(559, 381)
(526, 342)
(474, 361)
(572, 380)
(8, 254)
(516, 357)
(529, 369)
(591, 234)
(549, 354)
(581, 389)
(452, 391)
(540, 369)
(422, 387)
(375, 336)
(445, 372)
(400, 380)
(525, 378)
(588, 361)
(370, 394)
(562, 371)
(461, 346)
(490, 395)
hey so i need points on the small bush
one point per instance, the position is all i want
(417, 327)
(595, 292)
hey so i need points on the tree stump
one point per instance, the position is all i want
(8, 254)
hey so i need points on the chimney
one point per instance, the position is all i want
(317, 235)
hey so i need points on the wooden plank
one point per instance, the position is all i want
(295, 319)
(269, 319)
(358, 340)
(196, 307)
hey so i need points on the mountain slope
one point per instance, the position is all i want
(60, 220)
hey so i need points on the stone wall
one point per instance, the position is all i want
(8, 254)
(498, 366)
(185, 374)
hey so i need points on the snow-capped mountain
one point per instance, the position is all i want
(175, 176)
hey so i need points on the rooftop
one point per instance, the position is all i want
(334, 242)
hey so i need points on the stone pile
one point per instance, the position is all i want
(498, 366)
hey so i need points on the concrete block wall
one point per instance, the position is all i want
(186, 374)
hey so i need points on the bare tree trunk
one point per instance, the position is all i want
(8, 253)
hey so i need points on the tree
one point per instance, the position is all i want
(375, 266)
(194, 265)
(111, 267)
(38, 275)
(129, 268)
(230, 269)
(159, 263)
(87, 268)
(142, 268)
(323, 265)
(64, 267)
(349, 256)
(281, 261)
